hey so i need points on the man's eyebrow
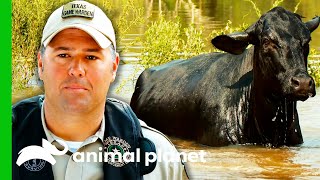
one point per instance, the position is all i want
(62, 48)
(92, 50)
(69, 49)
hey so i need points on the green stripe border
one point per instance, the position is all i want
(5, 90)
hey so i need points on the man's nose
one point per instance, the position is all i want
(77, 68)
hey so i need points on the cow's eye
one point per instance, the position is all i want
(266, 41)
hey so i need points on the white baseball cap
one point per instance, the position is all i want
(81, 15)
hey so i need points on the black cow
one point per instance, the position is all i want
(243, 96)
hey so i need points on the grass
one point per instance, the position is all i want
(314, 71)
(164, 42)
(314, 65)
(27, 25)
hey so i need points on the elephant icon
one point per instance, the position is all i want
(37, 152)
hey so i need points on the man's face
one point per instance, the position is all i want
(76, 72)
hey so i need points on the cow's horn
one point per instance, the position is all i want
(313, 24)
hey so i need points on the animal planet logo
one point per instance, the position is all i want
(39, 155)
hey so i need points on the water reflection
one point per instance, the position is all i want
(242, 161)
(214, 14)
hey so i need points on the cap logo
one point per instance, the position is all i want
(78, 9)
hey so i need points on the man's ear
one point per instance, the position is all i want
(40, 65)
(115, 65)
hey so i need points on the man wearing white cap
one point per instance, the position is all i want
(77, 63)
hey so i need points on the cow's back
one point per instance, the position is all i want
(184, 97)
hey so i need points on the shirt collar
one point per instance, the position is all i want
(51, 137)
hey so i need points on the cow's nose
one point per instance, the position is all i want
(303, 85)
(299, 82)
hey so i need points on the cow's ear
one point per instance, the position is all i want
(313, 24)
(234, 43)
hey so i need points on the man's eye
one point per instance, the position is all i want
(63, 55)
(92, 57)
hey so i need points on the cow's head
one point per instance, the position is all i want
(281, 42)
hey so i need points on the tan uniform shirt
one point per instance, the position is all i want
(67, 169)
